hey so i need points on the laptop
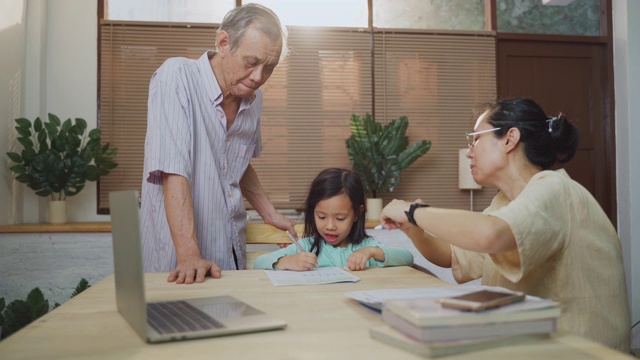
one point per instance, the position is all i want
(177, 319)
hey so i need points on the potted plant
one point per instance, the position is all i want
(58, 158)
(379, 153)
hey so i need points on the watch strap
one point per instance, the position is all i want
(412, 210)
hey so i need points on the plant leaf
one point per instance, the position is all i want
(16, 317)
(82, 124)
(38, 305)
(15, 157)
(52, 130)
(95, 134)
(37, 125)
(24, 178)
(26, 142)
(53, 119)
(28, 154)
(43, 193)
(42, 137)
(66, 125)
(18, 169)
(23, 132)
(23, 123)
(82, 286)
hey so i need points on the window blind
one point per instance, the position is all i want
(435, 80)
(129, 54)
(308, 102)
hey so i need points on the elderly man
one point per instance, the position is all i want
(203, 129)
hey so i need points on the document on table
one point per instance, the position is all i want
(375, 299)
(328, 275)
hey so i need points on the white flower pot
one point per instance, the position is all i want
(58, 212)
(374, 208)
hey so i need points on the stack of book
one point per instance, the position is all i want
(425, 327)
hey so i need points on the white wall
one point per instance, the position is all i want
(626, 32)
(12, 43)
(72, 80)
(57, 55)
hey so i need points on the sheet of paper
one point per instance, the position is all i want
(376, 298)
(317, 276)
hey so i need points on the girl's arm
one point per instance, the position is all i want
(359, 258)
(289, 258)
(302, 261)
(384, 256)
(397, 256)
(266, 261)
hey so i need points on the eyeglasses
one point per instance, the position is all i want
(472, 139)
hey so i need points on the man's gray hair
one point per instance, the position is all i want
(236, 22)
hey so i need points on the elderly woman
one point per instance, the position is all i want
(543, 234)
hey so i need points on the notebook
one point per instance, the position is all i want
(169, 320)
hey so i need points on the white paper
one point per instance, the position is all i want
(328, 275)
(376, 298)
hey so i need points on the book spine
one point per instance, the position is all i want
(468, 332)
(469, 318)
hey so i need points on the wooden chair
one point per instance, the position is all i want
(264, 234)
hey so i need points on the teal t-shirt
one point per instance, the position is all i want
(336, 256)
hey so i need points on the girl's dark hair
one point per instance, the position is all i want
(327, 184)
(546, 140)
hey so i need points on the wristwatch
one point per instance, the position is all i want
(412, 209)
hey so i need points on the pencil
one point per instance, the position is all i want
(295, 241)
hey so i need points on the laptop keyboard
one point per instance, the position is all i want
(179, 316)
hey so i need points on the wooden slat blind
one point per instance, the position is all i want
(129, 54)
(435, 80)
(308, 102)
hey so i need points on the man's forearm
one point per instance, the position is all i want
(253, 191)
(178, 206)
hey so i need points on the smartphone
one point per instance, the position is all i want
(481, 300)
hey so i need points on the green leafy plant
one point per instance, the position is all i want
(20, 313)
(2, 304)
(379, 153)
(82, 286)
(58, 158)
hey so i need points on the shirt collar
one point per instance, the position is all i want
(214, 93)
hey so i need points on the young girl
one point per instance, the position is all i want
(334, 230)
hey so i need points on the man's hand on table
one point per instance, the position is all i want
(194, 269)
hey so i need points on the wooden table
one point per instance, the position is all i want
(321, 324)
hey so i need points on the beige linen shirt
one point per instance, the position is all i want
(567, 250)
